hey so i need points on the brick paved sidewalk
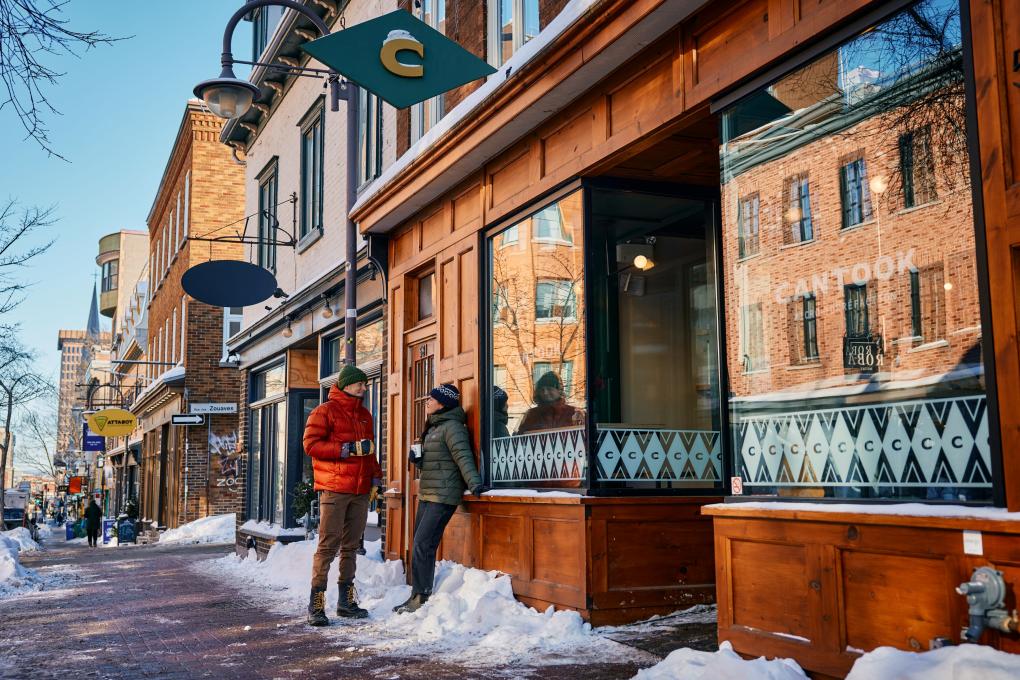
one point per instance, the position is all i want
(139, 612)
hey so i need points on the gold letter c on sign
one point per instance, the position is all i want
(398, 41)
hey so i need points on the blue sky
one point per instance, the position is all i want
(121, 108)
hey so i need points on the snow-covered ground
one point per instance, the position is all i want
(472, 618)
(966, 662)
(725, 664)
(214, 529)
(23, 537)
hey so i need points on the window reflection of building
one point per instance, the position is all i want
(650, 303)
(870, 313)
(537, 278)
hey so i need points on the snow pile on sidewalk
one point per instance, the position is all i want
(23, 537)
(472, 617)
(215, 529)
(966, 662)
(14, 578)
(45, 533)
(725, 664)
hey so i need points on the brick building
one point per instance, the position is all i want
(290, 349)
(189, 472)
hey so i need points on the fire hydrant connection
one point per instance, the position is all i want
(986, 597)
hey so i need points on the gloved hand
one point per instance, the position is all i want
(345, 451)
(478, 489)
(376, 491)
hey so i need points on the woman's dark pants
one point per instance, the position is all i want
(93, 533)
(429, 525)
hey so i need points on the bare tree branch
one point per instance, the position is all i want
(31, 31)
(18, 229)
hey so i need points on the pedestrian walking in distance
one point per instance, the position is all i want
(338, 437)
(93, 520)
(447, 468)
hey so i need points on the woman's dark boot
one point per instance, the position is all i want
(347, 603)
(413, 603)
(317, 608)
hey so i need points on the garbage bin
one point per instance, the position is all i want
(69, 530)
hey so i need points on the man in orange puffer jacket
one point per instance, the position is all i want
(338, 437)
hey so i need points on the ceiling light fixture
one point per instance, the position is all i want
(287, 332)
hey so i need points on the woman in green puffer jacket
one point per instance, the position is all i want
(447, 469)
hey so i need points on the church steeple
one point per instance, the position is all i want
(92, 330)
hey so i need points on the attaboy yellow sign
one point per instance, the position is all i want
(112, 422)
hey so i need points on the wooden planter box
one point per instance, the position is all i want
(824, 587)
(614, 560)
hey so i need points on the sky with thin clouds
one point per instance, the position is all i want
(120, 106)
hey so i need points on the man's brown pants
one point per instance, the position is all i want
(342, 519)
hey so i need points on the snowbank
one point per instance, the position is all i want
(725, 664)
(215, 529)
(268, 530)
(472, 617)
(14, 578)
(966, 662)
(23, 537)
(45, 533)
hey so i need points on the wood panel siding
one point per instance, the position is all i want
(995, 32)
(302, 369)
(611, 559)
(821, 586)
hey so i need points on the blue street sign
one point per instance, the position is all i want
(90, 441)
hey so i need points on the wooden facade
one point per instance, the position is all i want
(619, 559)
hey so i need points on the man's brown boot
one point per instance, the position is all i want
(347, 602)
(317, 608)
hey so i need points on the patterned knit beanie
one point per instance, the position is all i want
(446, 394)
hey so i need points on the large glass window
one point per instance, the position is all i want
(268, 448)
(883, 394)
(652, 305)
(536, 288)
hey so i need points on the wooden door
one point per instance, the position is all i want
(421, 362)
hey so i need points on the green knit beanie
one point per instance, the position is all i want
(349, 375)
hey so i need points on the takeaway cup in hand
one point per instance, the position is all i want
(415, 454)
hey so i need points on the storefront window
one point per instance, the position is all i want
(655, 394)
(854, 334)
(536, 289)
(369, 342)
(268, 450)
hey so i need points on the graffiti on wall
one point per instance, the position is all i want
(225, 446)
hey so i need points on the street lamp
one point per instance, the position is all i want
(227, 96)
(230, 97)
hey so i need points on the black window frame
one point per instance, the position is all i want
(312, 188)
(744, 235)
(268, 181)
(855, 304)
(809, 326)
(855, 193)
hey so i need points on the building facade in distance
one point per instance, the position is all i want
(189, 472)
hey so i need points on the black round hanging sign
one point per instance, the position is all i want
(229, 283)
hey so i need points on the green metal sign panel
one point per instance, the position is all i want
(399, 58)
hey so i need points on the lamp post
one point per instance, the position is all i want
(228, 96)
